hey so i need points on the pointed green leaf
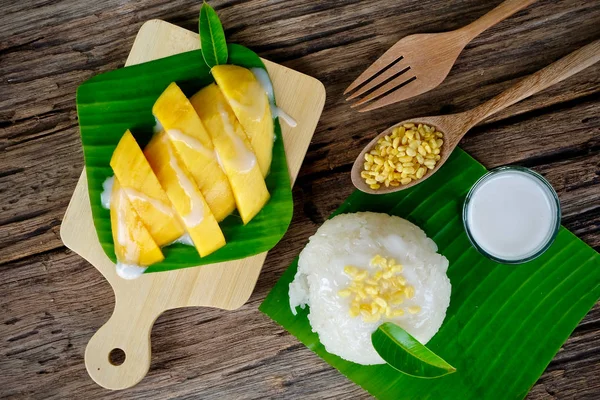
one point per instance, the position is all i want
(402, 351)
(212, 37)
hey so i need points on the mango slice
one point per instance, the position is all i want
(195, 149)
(234, 151)
(249, 102)
(144, 191)
(184, 194)
(133, 243)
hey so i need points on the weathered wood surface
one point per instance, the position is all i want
(52, 301)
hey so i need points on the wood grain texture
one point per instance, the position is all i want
(53, 301)
(227, 285)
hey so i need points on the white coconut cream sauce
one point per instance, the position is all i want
(191, 142)
(135, 195)
(185, 239)
(129, 271)
(157, 126)
(244, 159)
(511, 215)
(196, 214)
(107, 187)
(131, 248)
(263, 78)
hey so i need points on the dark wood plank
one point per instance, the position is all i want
(53, 301)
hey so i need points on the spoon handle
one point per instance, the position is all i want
(544, 78)
(501, 12)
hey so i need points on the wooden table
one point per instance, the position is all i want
(52, 301)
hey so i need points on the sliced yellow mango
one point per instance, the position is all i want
(195, 148)
(133, 243)
(144, 191)
(250, 104)
(183, 192)
(234, 151)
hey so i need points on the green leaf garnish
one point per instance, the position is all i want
(212, 37)
(403, 352)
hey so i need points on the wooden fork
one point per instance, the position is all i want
(419, 63)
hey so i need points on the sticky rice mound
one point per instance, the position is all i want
(354, 240)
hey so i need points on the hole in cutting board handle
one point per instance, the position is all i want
(119, 359)
(116, 357)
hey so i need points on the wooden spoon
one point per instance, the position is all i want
(455, 126)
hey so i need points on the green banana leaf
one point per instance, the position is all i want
(112, 102)
(212, 37)
(504, 323)
(405, 353)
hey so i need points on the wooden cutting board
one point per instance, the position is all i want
(225, 285)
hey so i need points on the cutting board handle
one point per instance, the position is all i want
(127, 332)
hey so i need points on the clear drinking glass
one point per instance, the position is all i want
(551, 235)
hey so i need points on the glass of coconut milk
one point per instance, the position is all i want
(511, 215)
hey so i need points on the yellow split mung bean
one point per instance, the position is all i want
(403, 156)
(378, 293)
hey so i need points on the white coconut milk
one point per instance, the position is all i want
(157, 126)
(262, 77)
(134, 195)
(107, 187)
(177, 136)
(512, 215)
(196, 214)
(129, 271)
(244, 159)
(132, 250)
(185, 239)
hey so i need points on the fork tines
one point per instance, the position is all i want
(382, 82)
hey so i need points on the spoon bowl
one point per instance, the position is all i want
(455, 126)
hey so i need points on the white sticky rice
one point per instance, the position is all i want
(354, 239)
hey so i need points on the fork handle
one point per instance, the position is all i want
(501, 12)
(544, 78)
